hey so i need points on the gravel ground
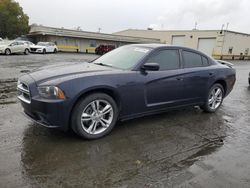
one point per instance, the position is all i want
(182, 148)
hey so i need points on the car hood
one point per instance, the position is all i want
(48, 73)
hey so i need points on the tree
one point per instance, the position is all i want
(13, 21)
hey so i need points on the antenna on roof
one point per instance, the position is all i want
(227, 25)
(195, 26)
(222, 27)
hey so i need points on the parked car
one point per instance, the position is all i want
(11, 47)
(102, 49)
(128, 82)
(44, 47)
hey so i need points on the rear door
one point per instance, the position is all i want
(21, 46)
(163, 88)
(196, 75)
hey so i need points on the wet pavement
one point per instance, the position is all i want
(182, 148)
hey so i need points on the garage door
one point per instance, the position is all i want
(206, 45)
(178, 40)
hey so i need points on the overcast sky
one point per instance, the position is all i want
(117, 15)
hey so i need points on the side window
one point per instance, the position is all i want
(13, 44)
(167, 59)
(204, 61)
(192, 59)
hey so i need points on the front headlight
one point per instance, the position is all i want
(51, 92)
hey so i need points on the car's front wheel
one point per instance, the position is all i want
(94, 116)
(214, 98)
(7, 51)
(26, 51)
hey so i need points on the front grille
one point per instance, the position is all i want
(23, 92)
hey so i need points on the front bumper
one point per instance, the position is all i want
(36, 50)
(47, 112)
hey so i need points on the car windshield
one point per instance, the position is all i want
(124, 57)
(42, 43)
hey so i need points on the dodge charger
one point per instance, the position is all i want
(129, 82)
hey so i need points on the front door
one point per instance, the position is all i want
(163, 87)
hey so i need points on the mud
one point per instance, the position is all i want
(182, 148)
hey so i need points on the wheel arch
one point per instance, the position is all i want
(223, 83)
(7, 49)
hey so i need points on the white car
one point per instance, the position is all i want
(44, 47)
(12, 47)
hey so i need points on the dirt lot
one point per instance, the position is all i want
(184, 148)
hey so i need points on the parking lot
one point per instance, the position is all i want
(182, 148)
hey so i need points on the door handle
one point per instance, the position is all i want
(179, 78)
(211, 74)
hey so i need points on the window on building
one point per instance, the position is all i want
(192, 59)
(167, 59)
(230, 50)
(92, 43)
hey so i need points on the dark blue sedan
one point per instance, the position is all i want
(128, 82)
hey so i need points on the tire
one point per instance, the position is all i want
(213, 100)
(55, 50)
(44, 51)
(88, 121)
(26, 51)
(7, 51)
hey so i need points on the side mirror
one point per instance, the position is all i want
(151, 66)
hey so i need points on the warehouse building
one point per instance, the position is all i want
(81, 41)
(221, 44)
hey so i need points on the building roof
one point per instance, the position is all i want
(183, 31)
(44, 30)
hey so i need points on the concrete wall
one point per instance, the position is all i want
(76, 44)
(191, 37)
(239, 42)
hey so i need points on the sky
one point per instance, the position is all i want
(116, 15)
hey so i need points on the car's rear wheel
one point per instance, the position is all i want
(7, 51)
(94, 116)
(44, 51)
(26, 51)
(55, 50)
(214, 98)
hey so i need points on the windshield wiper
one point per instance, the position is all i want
(106, 65)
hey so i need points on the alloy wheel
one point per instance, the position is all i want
(97, 116)
(215, 98)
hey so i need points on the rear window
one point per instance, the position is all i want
(205, 61)
(192, 59)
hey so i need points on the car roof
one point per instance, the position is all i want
(157, 45)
